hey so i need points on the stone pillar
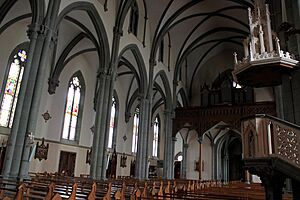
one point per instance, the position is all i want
(168, 149)
(17, 136)
(142, 147)
(184, 161)
(105, 125)
(99, 147)
(42, 54)
(96, 136)
(213, 168)
(200, 158)
(226, 168)
(172, 156)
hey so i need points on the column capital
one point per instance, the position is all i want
(169, 113)
(101, 73)
(185, 145)
(175, 82)
(152, 62)
(35, 30)
(54, 38)
(53, 83)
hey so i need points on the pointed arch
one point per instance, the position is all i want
(183, 96)
(140, 64)
(89, 8)
(37, 9)
(165, 81)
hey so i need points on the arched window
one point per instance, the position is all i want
(12, 88)
(73, 108)
(155, 137)
(112, 123)
(135, 131)
(134, 19)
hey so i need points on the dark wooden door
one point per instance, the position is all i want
(177, 168)
(67, 163)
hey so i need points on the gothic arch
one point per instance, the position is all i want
(37, 9)
(94, 16)
(140, 64)
(167, 94)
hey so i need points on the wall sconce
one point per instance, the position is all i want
(123, 160)
(41, 151)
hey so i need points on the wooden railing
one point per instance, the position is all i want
(266, 136)
(204, 118)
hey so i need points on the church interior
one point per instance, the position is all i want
(140, 99)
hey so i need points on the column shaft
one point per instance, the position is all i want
(97, 132)
(19, 114)
(142, 149)
(168, 150)
(184, 161)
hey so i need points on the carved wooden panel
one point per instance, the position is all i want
(203, 118)
(287, 144)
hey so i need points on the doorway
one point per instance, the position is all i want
(177, 169)
(236, 171)
(67, 163)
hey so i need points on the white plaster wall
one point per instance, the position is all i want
(52, 163)
(55, 103)
(192, 156)
(52, 129)
(178, 144)
(206, 156)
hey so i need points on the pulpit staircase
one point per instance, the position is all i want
(271, 151)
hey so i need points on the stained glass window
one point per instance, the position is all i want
(135, 130)
(112, 123)
(72, 109)
(12, 88)
(155, 137)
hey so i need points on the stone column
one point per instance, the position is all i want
(105, 126)
(226, 168)
(142, 147)
(41, 55)
(98, 147)
(200, 158)
(18, 131)
(184, 161)
(168, 150)
(213, 159)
